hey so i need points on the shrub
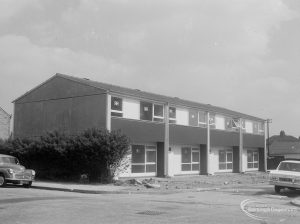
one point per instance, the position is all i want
(94, 152)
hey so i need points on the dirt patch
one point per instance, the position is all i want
(194, 182)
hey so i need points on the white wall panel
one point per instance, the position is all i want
(182, 116)
(249, 126)
(131, 109)
(220, 122)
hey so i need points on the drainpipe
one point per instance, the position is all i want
(108, 112)
(166, 141)
(241, 148)
(208, 146)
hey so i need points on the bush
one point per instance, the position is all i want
(57, 156)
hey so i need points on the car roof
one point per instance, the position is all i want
(3, 155)
(291, 161)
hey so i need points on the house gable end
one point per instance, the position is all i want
(58, 87)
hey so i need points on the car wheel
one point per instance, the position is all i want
(28, 185)
(2, 181)
(277, 189)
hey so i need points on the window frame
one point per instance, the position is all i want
(261, 128)
(148, 148)
(152, 110)
(227, 151)
(252, 151)
(120, 112)
(158, 117)
(192, 149)
(172, 119)
(200, 123)
(212, 117)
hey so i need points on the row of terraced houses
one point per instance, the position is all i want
(169, 136)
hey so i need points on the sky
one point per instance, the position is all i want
(240, 55)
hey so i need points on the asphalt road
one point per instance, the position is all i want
(34, 206)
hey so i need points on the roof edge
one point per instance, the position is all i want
(34, 88)
(6, 112)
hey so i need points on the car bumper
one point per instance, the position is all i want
(20, 177)
(285, 184)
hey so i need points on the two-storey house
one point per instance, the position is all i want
(169, 136)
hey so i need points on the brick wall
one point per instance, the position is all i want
(4, 124)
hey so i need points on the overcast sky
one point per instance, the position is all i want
(243, 55)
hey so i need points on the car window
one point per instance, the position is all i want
(289, 167)
(8, 160)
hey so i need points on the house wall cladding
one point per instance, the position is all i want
(59, 105)
(4, 125)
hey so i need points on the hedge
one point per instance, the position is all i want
(56, 156)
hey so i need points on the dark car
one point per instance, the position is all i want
(12, 172)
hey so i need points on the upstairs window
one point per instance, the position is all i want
(232, 124)
(193, 118)
(146, 111)
(255, 127)
(158, 113)
(235, 123)
(261, 128)
(243, 125)
(116, 107)
(172, 115)
(202, 119)
(212, 121)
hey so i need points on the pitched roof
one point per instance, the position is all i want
(283, 147)
(282, 137)
(152, 96)
(1, 109)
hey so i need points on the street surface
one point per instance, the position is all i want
(34, 206)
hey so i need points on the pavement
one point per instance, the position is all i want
(81, 188)
(167, 185)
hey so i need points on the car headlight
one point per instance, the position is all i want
(11, 171)
(33, 172)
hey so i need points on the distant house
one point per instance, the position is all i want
(4, 124)
(282, 147)
(288, 150)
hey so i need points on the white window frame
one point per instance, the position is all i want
(200, 123)
(227, 151)
(237, 124)
(193, 149)
(210, 121)
(173, 119)
(261, 131)
(158, 117)
(146, 163)
(252, 151)
(118, 111)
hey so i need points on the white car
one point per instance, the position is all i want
(287, 175)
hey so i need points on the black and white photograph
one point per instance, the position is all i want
(149, 111)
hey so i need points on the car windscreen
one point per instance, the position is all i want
(287, 166)
(8, 160)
